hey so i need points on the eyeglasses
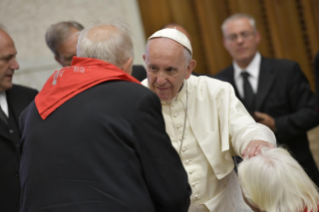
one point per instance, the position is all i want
(244, 35)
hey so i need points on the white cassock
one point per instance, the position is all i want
(217, 126)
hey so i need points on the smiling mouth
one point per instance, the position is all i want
(162, 89)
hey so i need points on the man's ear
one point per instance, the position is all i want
(191, 66)
(128, 66)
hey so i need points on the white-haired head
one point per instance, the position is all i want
(275, 182)
(239, 16)
(110, 42)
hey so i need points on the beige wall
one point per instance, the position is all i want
(27, 21)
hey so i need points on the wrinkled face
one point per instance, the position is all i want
(8, 62)
(166, 67)
(241, 41)
(67, 50)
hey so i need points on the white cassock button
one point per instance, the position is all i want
(191, 172)
(175, 115)
(187, 161)
(184, 149)
(196, 197)
(193, 184)
(179, 126)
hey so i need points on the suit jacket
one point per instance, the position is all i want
(104, 149)
(284, 94)
(18, 98)
(139, 72)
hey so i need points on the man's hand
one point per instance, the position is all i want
(254, 147)
(265, 119)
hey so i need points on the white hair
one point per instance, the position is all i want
(115, 46)
(239, 16)
(275, 182)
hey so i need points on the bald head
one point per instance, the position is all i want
(8, 62)
(108, 42)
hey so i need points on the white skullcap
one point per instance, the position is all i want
(175, 35)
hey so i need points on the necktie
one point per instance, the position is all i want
(249, 96)
(3, 116)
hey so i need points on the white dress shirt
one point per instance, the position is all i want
(4, 103)
(252, 69)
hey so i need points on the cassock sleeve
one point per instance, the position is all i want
(243, 128)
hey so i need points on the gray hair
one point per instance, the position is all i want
(275, 182)
(239, 16)
(116, 47)
(59, 32)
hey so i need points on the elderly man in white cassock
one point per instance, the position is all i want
(207, 124)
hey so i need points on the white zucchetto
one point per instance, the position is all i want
(175, 35)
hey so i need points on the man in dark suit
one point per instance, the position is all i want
(94, 139)
(13, 100)
(275, 92)
(62, 38)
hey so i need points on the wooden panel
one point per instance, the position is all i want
(289, 28)
(155, 14)
(312, 26)
(209, 23)
(184, 13)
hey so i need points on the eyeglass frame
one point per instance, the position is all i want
(244, 35)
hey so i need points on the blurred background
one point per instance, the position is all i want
(289, 29)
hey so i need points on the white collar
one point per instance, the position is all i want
(252, 68)
(4, 103)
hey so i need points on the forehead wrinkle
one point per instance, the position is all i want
(164, 45)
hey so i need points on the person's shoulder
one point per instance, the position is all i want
(23, 88)
(210, 83)
(127, 88)
(18, 90)
(224, 72)
(279, 62)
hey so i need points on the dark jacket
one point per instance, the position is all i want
(104, 149)
(18, 98)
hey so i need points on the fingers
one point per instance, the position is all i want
(259, 117)
(254, 148)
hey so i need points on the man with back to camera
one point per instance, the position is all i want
(274, 91)
(13, 99)
(62, 39)
(94, 139)
(206, 123)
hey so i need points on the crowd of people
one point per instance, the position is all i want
(106, 135)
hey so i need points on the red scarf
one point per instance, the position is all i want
(306, 209)
(83, 74)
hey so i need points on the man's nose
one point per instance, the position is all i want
(14, 64)
(239, 39)
(161, 79)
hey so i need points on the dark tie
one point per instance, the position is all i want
(249, 96)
